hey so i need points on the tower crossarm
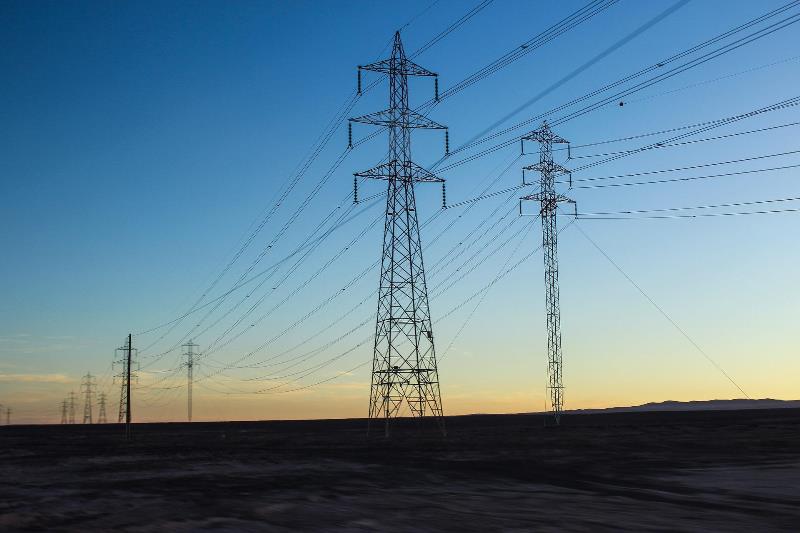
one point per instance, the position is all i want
(409, 171)
(550, 168)
(400, 66)
(544, 197)
(549, 202)
(406, 119)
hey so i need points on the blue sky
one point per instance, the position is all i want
(142, 140)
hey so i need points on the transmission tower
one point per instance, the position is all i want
(71, 399)
(404, 362)
(88, 385)
(101, 415)
(8, 416)
(548, 200)
(190, 362)
(126, 360)
(64, 406)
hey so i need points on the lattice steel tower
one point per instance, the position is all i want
(190, 362)
(101, 415)
(548, 200)
(404, 363)
(126, 359)
(64, 405)
(71, 399)
(87, 387)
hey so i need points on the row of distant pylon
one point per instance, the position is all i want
(7, 411)
(88, 391)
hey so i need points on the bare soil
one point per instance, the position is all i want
(662, 471)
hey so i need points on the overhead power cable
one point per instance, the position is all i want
(661, 310)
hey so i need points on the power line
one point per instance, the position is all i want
(641, 85)
(679, 169)
(321, 142)
(712, 206)
(661, 310)
(686, 179)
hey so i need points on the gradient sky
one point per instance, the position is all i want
(142, 141)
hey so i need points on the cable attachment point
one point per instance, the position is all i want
(444, 196)
(355, 189)
(521, 147)
(359, 80)
(569, 153)
(446, 142)
(436, 88)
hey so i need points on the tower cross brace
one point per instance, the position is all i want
(404, 369)
(548, 200)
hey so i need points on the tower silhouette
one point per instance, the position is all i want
(548, 200)
(190, 362)
(404, 370)
(101, 415)
(126, 359)
(87, 387)
(71, 399)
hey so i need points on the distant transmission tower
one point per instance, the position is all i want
(548, 200)
(101, 415)
(190, 362)
(126, 360)
(87, 387)
(64, 406)
(404, 362)
(8, 416)
(71, 398)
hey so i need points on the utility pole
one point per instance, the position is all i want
(404, 367)
(71, 398)
(126, 357)
(190, 362)
(548, 200)
(64, 405)
(101, 416)
(87, 387)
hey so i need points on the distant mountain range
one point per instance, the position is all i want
(704, 405)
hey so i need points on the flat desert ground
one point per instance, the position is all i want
(659, 471)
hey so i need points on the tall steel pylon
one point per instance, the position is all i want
(189, 363)
(87, 387)
(404, 363)
(126, 360)
(8, 416)
(64, 406)
(548, 200)
(101, 415)
(71, 399)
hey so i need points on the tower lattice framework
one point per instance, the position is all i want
(191, 361)
(101, 415)
(71, 399)
(87, 387)
(404, 370)
(126, 360)
(548, 200)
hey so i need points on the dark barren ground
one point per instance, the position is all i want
(709, 470)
